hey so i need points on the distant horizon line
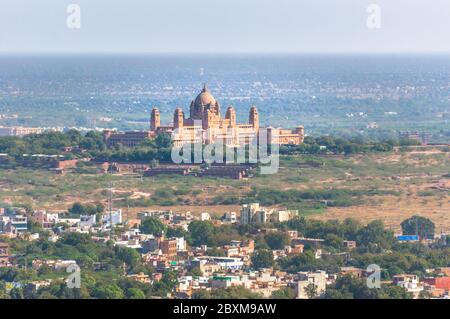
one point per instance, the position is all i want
(187, 53)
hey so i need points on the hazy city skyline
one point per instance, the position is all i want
(232, 26)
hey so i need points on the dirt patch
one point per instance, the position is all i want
(393, 210)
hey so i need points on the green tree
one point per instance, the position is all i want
(375, 235)
(176, 232)
(3, 293)
(129, 256)
(200, 232)
(195, 272)
(163, 140)
(311, 291)
(16, 293)
(108, 291)
(135, 293)
(283, 293)
(276, 240)
(153, 226)
(418, 225)
(262, 258)
(84, 209)
(201, 294)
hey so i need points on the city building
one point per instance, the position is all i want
(438, 282)
(230, 217)
(4, 255)
(88, 220)
(168, 247)
(115, 216)
(256, 214)
(224, 263)
(13, 224)
(410, 283)
(317, 279)
(19, 130)
(46, 220)
(206, 125)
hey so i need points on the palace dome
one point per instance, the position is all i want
(205, 98)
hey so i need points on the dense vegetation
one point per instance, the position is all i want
(336, 145)
(159, 149)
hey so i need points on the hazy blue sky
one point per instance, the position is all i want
(225, 26)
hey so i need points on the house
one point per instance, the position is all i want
(151, 244)
(294, 250)
(444, 271)
(206, 268)
(410, 283)
(116, 218)
(224, 263)
(181, 244)
(46, 220)
(256, 214)
(318, 280)
(88, 221)
(292, 234)
(350, 244)
(314, 242)
(53, 264)
(13, 224)
(4, 254)
(164, 215)
(168, 247)
(205, 216)
(353, 271)
(438, 282)
(225, 281)
(230, 217)
(141, 277)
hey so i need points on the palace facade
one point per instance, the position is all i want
(206, 125)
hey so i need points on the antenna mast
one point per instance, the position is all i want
(110, 211)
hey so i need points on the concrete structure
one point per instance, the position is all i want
(88, 220)
(438, 282)
(256, 214)
(318, 279)
(126, 139)
(19, 130)
(116, 217)
(168, 247)
(13, 224)
(46, 220)
(230, 217)
(410, 283)
(224, 263)
(4, 254)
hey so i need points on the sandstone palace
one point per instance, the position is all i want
(206, 125)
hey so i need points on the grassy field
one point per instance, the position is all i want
(387, 186)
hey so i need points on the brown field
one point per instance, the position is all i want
(420, 178)
(393, 210)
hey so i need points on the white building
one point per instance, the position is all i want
(88, 220)
(116, 217)
(230, 217)
(256, 214)
(318, 279)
